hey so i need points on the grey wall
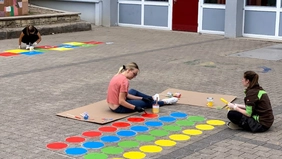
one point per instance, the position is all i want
(156, 15)
(109, 11)
(130, 13)
(233, 18)
(280, 25)
(213, 19)
(87, 9)
(260, 22)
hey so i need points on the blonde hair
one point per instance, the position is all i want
(129, 66)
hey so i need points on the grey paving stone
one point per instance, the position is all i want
(35, 88)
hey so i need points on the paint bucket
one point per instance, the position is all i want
(210, 101)
(156, 109)
(31, 48)
(177, 95)
(169, 94)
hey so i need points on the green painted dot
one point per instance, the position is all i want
(196, 118)
(112, 150)
(185, 123)
(172, 128)
(128, 144)
(159, 133)
(87, 45)
(95, 155)
(145, 138)
(41, 50)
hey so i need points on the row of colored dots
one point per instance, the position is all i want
(140, 128)
(154, 148)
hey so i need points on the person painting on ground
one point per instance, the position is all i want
(122, 100)
(30, 36)
(256, 115)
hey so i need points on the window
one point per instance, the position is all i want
(215, 1)
(261, 3)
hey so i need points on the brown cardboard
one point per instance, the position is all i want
(7, 2)
(1, 7)
(21, 10)
(24, 8)
(98, 113)
(198, 98)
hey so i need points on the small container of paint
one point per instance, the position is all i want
(169, 94)
(156, 109)
(85, 115)
(210, 101)
(177, 95)
(31, 48)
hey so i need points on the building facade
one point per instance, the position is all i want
(231, 18)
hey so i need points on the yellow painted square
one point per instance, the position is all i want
(61, 49)
(74, 43)
(16, 51)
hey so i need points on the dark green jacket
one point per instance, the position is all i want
(258, 106)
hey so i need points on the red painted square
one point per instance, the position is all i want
(46, 47)
(93, 42)
(8, 54)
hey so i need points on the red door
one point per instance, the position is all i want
(185, 15)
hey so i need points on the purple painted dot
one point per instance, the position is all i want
(75, 151)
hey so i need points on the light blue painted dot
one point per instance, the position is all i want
(153, 123)
(126, 133)
(178, 115)
(30, 53)
(167, 119)
(139, 128)
(93, 145)
(67, 46)
(110, 139)
(75, 151)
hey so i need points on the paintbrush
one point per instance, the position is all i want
(145, 111)
(224, 101)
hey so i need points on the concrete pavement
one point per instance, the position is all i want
(34, 88)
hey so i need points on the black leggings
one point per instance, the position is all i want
(247, 123)
(29, 40)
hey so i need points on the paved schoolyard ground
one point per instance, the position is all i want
(34, 88)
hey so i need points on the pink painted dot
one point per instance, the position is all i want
(56, 145)
(121, 124)
(75, 139)
(107, 129)
(91, 133)
(135, 119)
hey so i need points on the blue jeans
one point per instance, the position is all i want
(137, 103)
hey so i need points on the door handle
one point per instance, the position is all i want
(174, 1)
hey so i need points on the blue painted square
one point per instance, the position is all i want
(67, 46)
(30, 53)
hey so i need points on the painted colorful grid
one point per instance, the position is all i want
(130, 139)
(42, 49)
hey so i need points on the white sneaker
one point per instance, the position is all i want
(27, 47)
(171, 100)
(156, 96)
